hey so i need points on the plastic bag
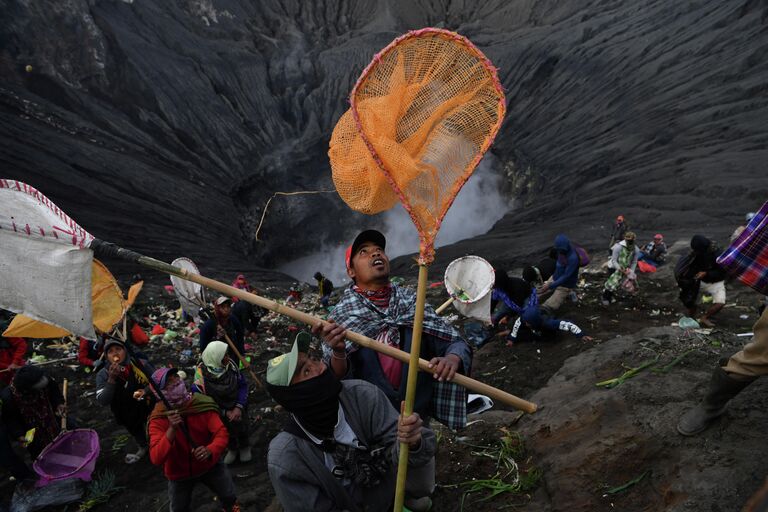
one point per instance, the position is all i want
(27, 499)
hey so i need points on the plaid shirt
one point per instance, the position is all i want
(747, 256)
(358, 314)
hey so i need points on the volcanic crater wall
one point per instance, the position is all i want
(165, 125)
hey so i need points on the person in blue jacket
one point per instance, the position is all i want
(535, 324)
(566, 276)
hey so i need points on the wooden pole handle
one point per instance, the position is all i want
(243, 360)
(444, 306)
(363, 341)
(64, 388)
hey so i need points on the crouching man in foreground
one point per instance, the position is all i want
(340, 447)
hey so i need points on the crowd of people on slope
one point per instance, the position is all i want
(339, 448)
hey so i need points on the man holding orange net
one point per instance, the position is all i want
(385, 312)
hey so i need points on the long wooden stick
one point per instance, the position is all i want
(243, 360)
(410, 389)
(444, 305)
(41, 364)
(359, 339)
(64, 388)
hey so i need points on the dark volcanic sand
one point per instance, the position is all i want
(584, 439)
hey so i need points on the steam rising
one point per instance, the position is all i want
(476, 209)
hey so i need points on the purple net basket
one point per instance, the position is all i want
(747, 257)
(72, 454)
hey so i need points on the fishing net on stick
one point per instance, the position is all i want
(422, 115)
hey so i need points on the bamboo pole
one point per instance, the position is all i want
(410, 390)
(359, 339)
(243, 360)
(444, 305)
(64, 388)
(41, 364)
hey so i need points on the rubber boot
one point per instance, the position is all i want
(722, 388)
(230, 457)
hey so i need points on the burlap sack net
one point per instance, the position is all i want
(422, 115)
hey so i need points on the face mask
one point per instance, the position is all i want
(177, 394)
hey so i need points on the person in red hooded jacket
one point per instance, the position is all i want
(188, 442)
(12, 352)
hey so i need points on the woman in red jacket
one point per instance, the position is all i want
(188, 442)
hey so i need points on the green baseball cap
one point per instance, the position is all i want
(280, 369)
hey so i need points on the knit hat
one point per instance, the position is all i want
(629, 235)
(658, 236)
(26, 377)
(280, 369)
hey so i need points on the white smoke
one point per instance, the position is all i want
(476, 209)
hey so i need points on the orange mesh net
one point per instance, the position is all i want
(422, 115)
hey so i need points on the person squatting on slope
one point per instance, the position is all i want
(219, 377)
(623, 263)
(384, 311)
(655, 251)
(120, 384)
(33, 400)
(698, 270)
(339, 449)
(188, 442)
(566, 275)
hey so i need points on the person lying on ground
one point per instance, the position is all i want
(218, 376)
(13, 350)
(623, 263)
(339, 448)
(537, 324)
(188, 442)
(563, 282)
(655, 251)
(223, 324)
(699, 271)
(324, 288)
(89, 353)
(510, 295)
(33, 400)
(384, 311)
(120, 384)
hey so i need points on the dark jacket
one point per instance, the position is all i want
(128, 412)
(234, 330)
(247, 314)
(567, 268)
(701, 259)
